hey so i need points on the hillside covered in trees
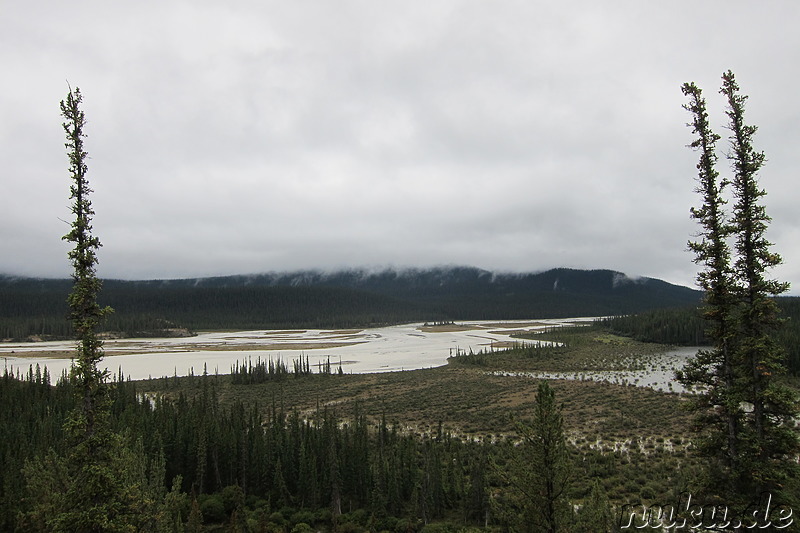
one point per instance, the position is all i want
(685, 326)
(35, 307)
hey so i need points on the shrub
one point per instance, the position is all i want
(440, 528)
(405, 525)
(212, 509)
(323, 515)
(277, 518)
(386, 523)
(359, 516)
(300, 517)
(232, 498)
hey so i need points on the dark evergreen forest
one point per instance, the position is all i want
(35, 307)
(227, 460)
(685, 326)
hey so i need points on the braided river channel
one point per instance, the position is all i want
(383, 349)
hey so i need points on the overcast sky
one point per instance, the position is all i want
(243, 137)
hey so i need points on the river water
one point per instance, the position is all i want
(385, 349)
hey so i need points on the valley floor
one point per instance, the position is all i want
(643, 432)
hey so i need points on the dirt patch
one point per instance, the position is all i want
(179, 348)
(446, 328)
(266, 346)
(49, 354)
(498, 345)
(523, 326)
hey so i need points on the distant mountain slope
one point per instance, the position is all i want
(338, 299)
(466, 281)
(469, 293)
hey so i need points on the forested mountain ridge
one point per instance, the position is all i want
(409, 280)
(344, 298)
(437, 286)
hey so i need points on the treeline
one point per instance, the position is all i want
(150, 310)
(266, 468)
(528, 350)
(262, 371)
(685, 326)
(229, 458)
(36, 308)
(682, 326)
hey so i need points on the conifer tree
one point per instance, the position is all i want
(85, 312)
(717, 405)
(747, 417)
(540, 471)
(98, 486)
(95, 493)
(771, 439)
(595, 515)
(195, 521)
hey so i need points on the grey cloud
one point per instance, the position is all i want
(268, 136)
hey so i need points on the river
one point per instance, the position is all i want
(384, 349)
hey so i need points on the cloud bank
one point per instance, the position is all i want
(267, 136)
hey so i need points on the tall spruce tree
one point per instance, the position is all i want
(539, 473)
(596, 514)
(771, 440)
(551, 462)
(85, 312)
(717, 404)
(95, 493)
(745, 415)
(100, 484)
